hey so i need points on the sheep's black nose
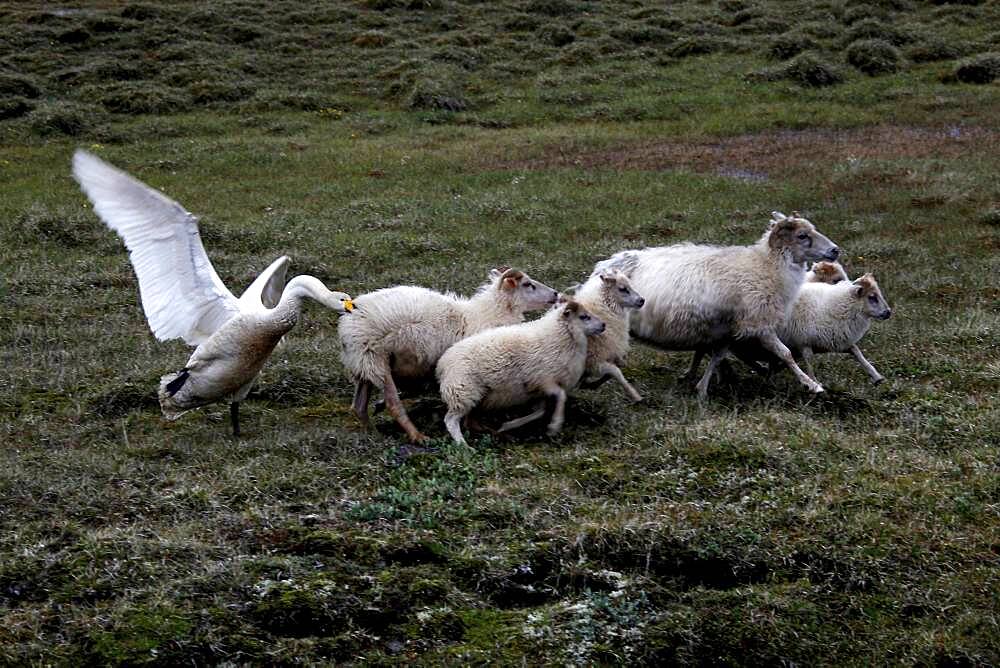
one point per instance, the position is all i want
(887, 314)
(833, 253)
(642, 302)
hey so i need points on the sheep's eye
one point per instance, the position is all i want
(530, 286)
(803, 235)
(873, 299)
(584, 317)
(625, 290)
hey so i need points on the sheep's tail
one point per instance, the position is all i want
(169, 386)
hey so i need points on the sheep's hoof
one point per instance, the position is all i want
(638, 399)
(817, 389)
(878, 381)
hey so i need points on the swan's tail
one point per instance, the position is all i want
(169, 386)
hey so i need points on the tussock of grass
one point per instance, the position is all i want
(874, 56)
(806, 69)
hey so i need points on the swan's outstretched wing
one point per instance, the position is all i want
(181, 293)
(267, 288)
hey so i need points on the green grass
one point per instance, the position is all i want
(767, 526)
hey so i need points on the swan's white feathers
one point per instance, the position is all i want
(266, 289)
(182, 295)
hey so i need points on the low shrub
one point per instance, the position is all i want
(556, 35)
(806, 69)
(791, 44)
(874, 57)
(875, 29)
(13, 106)
(440, 88)
(64, 118)
(134, 98)
(933, 50)
(981, 69)
(18, 86)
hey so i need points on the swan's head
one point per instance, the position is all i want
(340, 302)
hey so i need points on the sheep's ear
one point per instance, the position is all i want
(781, 232)
(498, 272)
(815, 266)
(609, 275)
(562, 298)
(777, 217)
(858, 290)
(571, 308)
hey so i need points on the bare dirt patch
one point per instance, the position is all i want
(761, 156)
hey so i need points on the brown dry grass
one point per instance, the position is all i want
(771, 154)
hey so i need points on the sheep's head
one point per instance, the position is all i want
(523, 290)
(800, 238)
(619, 288)
(827, 272)
(866, 289)
(574, 314)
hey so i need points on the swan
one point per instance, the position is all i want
(183, 297)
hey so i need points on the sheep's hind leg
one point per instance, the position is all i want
(718, 355)
(807, 357)
(774, 344)
(453, 422)
(558, 412)
(362, 393)
(867, 366)
(395, 406)
(536, 414)
(692, 371)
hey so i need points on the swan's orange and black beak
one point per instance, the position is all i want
(348, 305)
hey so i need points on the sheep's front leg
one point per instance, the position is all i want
(395, 406)
(867, 366)
(609, 370)
(718, 355)
(362, 392)
(555, 424)
(774, 344)
(807, 357)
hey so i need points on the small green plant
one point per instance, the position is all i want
(791, 44)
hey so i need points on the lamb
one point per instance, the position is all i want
(826, 272)
(509, 366)
(608, 295)
(833, 318)
(400, 332)
(707, 297)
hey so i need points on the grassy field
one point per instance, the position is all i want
(403, 141)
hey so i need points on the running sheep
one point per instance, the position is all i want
(833, 319)
(702, 297)
(400, 332)
(608, 295)
(512, 365)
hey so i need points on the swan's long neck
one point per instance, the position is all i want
(297, 289)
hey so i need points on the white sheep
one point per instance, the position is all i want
(512, 365)
(608, 295)
(826, 272)
(401, 332)
(706, 297)
(833, 319)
